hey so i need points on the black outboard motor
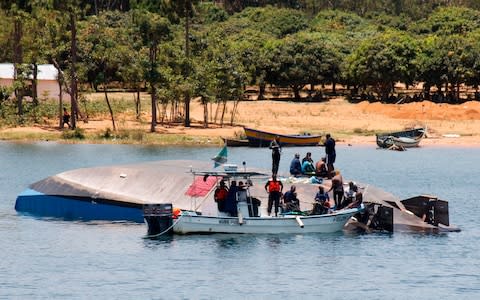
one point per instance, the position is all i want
(159, 218)
(433, 210)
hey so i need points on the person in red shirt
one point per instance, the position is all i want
(220, 195)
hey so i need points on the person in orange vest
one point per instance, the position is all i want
(220, 195)
(274, 188)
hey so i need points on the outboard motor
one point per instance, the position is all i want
(433, 210)
(159, 218)
(376, 217)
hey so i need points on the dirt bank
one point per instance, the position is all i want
(349, 123)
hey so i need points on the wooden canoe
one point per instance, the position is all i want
(258, 138)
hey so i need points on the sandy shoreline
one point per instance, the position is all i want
(352, 124)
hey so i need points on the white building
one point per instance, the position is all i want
(47, 84)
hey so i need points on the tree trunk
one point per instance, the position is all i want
(109, 106)
(153, 59)
(223, 112)
(217, 110)
(187, 55)
(60, 102)
(205, 112)
(261, 91)
(296, 92)
(34, 84)
(17, 60)
(73, 72)
(234, 111)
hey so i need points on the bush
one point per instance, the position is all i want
(77, 133)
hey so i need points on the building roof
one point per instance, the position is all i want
(45, 72)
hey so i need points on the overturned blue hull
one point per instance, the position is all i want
(109, 193)
(77, 208)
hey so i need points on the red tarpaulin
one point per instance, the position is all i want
(200, 187)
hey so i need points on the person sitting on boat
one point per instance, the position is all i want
(274, 188)
(350, 195)
(321, 168)
(220, 196)
(337, 188)
(290, 200)
(231, 201)
(308, 157)
(296, 166)
(322, 202)
(308, 168)
(357, 201)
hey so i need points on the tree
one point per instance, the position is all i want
(103, 40)
(153, 30)
(184, 9)
(382, 61)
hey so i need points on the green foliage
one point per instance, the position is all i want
(135, 135)
(76, 134)
(447, 21)
(382, 61)
(278, 22)
(142, 44)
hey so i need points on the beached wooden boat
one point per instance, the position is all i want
(258, 138)
(405, 139)
(232, 142)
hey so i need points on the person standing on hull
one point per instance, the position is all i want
(330, 152)
(274, 188)
(276, 150)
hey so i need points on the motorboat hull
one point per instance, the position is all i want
(190, 224)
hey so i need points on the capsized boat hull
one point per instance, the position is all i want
(189, 224)
(77, 207)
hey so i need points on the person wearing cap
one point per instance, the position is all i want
(296, 166)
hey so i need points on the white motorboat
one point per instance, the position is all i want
(190, 222)
(245, 220)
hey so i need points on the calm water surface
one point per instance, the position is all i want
(75, 260)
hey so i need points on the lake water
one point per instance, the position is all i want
(75, 260)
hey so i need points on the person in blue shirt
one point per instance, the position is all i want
(322, 202)
(290, 200)
(296, 166)
(308, 168)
